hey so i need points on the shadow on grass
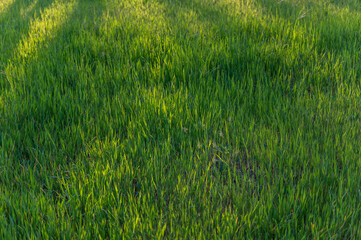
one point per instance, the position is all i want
(352, 5)
(35, 112)
(39, 122)
(335, 26)
(253, 52)
(14, 24)
(292, 11)
(332, 22)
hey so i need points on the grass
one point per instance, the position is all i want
(182, 119)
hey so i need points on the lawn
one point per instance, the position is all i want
(180, 119)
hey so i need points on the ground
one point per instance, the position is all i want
(182, 119)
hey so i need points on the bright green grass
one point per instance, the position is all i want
(180, 119)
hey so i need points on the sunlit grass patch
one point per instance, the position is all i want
(4, 5)
(44, 28)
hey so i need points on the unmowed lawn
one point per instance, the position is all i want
(180, 119)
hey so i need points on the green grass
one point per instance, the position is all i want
(180, 119)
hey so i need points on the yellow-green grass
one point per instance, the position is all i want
(180, 119)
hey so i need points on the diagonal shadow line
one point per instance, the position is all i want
(277, 9)
(42, 114)
(69, 71)
(15, 24)
(352, 5)
(204, 13)
(18, 115)
(14, 126)
(286, 10)
(236, 65)
(328, 36)
(294, 10)
(235, 58)
(223, 23)
(10, 22)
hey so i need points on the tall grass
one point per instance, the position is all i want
(180, 119)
